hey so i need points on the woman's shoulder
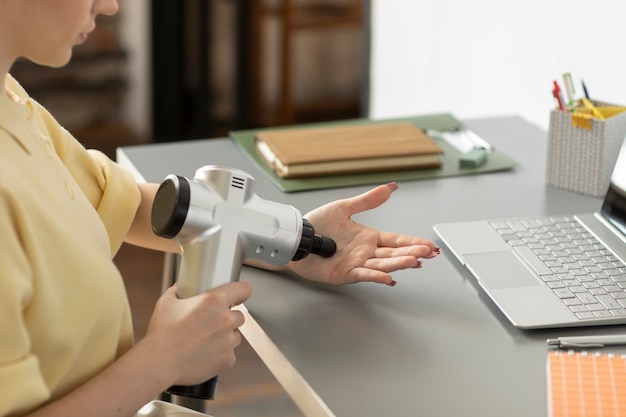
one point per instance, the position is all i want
(14, 87)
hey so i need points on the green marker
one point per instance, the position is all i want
(569, 89)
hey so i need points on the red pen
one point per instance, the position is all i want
(558, 95)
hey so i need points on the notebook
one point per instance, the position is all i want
(540, 280)
(335, 150)
(586, 384)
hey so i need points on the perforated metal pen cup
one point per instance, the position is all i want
(582, 150)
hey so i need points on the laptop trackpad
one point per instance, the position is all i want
(500, 270)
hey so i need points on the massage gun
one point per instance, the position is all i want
(219, 223)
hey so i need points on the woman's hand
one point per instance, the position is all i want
(197, 335)
(363, 253)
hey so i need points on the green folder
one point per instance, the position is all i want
(438, 122)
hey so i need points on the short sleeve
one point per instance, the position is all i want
(118, 200)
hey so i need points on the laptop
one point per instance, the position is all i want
(546, 272)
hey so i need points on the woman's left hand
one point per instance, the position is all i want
(363, 253)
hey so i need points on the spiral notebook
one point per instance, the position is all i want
(586, 384)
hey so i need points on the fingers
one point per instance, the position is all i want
(386, 260)
(416, 251)
(239, 291)
(378, 269)
(370, 199)
(229, 295)
(370, 275)
(221, 298)
(393, 264)
(170, 292)
(198, 327)
(396, 240)
(233, 294)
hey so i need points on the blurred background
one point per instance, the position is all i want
(164, 71)
(485, 58)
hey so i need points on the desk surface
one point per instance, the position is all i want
(434, 345)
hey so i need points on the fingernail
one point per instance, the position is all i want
(434, 253)
(393, 186)
(392, 283)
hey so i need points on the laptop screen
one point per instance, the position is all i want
(614, 205)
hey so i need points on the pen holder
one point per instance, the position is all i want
(582, 150)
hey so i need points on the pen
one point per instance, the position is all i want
(585, 89)
(462, 138)
(478, 141)
(556, 92)
(587, 341)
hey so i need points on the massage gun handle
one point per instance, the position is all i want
(209, 262)
(197, 274)
(204, 391)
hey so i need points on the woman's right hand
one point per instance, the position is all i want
(196, 337)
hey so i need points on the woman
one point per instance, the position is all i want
(67, 346)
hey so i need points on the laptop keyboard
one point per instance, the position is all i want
(578, 268)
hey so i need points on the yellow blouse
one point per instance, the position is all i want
(64, 211)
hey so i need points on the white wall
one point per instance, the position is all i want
(480, 58)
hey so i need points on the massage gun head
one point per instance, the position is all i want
(170, 206)
(185, 210)
(311, 242)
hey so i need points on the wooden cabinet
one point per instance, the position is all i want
(279, 32)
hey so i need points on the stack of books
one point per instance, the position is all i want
(319, 151)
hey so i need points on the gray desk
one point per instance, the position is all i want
(431, 346)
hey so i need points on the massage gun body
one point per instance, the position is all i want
(228, 223)
(220, 222)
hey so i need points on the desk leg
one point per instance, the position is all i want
(296, 386)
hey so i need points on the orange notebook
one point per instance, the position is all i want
(307, 152)
(586, 384)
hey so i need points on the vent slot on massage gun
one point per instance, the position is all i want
(238, 182)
